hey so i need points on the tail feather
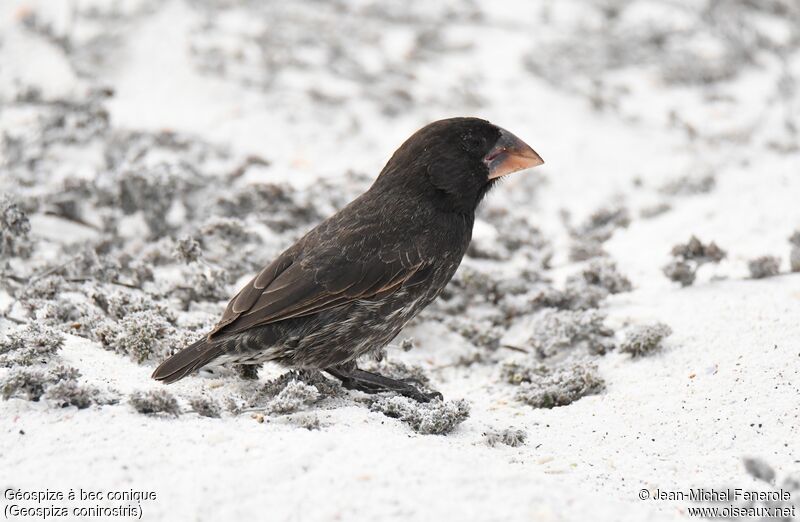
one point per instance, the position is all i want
(191, 358)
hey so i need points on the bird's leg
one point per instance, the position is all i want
(356, 379)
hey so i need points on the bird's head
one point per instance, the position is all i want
(455, 162)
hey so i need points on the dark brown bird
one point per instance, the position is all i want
(349, 286)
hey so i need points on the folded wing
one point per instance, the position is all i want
(293, 286)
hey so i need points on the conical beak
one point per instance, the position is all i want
(510, 154)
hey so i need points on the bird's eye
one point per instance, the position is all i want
(473, 143)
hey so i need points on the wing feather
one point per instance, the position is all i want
(291, 287)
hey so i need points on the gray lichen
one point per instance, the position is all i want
(794, 259)
(295, 396)
(523, 370)
(29, 345)
(687, 258)
(510, 437)
(310, 422)
(397, 370)
(72, 393)
(480, 333)
(225, 232)
(655, 210)
(604, 273)
(187, 250)
(472, 287)
(589, 236)
(602, 223)
(582, 249)
(681, 272)
(154, 402)
(557, 330)
(432, 418)
(151, 190)
(794, 239)
(142, 336)
(560, 386)
(695, 250)
(119, 304)
(689, 185)
(764, 266)
(14, 230)
(32, 383)
(585, 290)
(313, 381)
(201, 282)
(643, 340)
(25, 383)
(577, 294)
(205, 406)
(517, 237)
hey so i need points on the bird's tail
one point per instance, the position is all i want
(191, 358)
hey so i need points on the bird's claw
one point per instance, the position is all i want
(368, 382)
(422, 396)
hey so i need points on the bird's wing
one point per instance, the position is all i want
(294, 286)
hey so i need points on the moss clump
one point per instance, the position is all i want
(155, 401)
(695, 250)
(576, 295)
(430, 418)
(520, 371)
(604, 273)
(510, 437)
(603, 221)
(480, 333)
(59, 383)
(140, 335)
(560, 386)
(764, 266)
(29, 345)
(681, 272)
(14, 230)
(25, 383)
(558, 330)
(689, 185)
(324, 386)
(187, 250)
(794, 259)
(205, 407)
(397, 370)
(583, 248)
(71, 393)
(687, 258)
(655, 210)
(295, 396)
(585, 290)
(645, 339)
(119, 304)
(309, 422)
(589, 236)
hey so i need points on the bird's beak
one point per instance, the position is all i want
(509, 155)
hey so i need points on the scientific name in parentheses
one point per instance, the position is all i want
(722, 495)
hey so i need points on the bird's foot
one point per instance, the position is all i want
(356, 379)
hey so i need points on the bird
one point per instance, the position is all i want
(347, 287)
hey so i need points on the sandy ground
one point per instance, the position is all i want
(725, 386)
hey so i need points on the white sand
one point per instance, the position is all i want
(725, 387)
